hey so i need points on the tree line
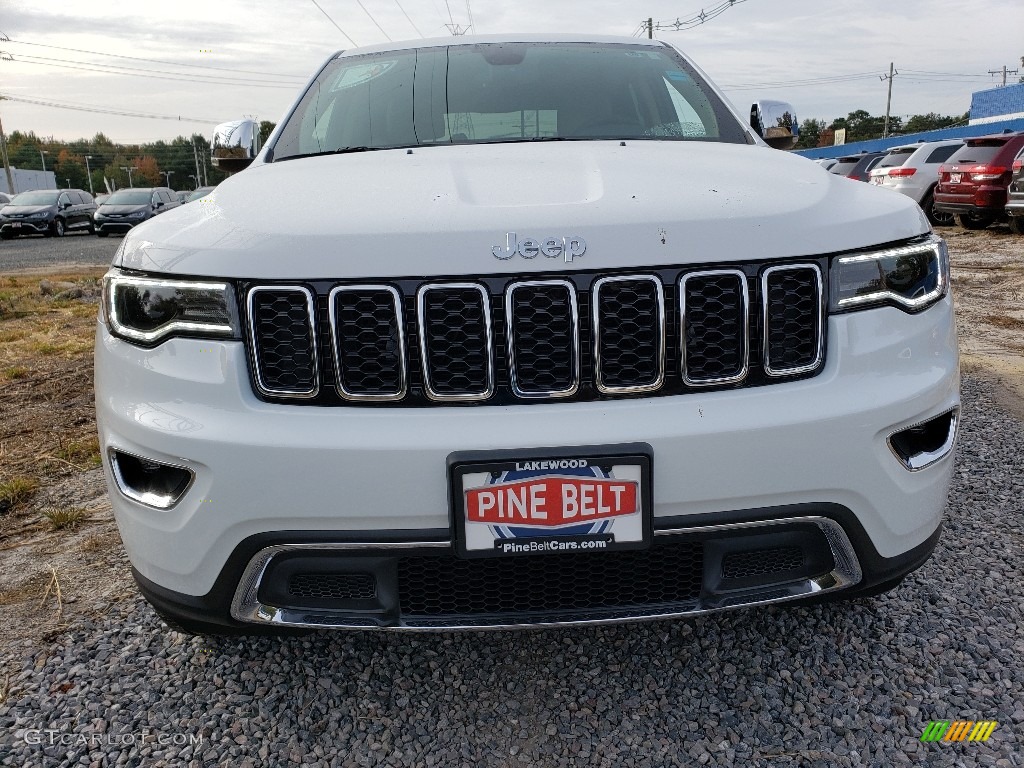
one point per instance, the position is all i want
(156, 164)
(861, 125)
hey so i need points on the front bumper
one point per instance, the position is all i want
(115, 225)
(26, 226)
(284, 474)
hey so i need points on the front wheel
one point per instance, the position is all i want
(973, 220)
(100, 233)
(1017, 225)
(58, 227)
(6, 235)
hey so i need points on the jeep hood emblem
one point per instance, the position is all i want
(569, 248)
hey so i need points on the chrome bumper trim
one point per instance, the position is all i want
(245, 606)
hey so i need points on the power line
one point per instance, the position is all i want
(408, 19)
(450, 19)
(335, 23)
(159, 61)
(469, 12)
(105, 111)
(702, 17)
(112, 69)
(378, 26)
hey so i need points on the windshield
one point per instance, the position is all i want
(504, 92)
(897, 157)
(130, 197)
(36, 198)
(201, 192)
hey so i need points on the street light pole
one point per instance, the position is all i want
(167, 176)
(89, 174)
(129, 169)
(195, 180)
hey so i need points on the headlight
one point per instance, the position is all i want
(912, 277)
(136, 215)
(148, 310)
(42, 215)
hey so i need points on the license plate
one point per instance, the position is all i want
(16, 225)
(563, 500)
(877, 180)
(954, 178)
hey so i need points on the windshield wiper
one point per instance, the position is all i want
(339, 151)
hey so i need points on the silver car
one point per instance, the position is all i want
(913, 169)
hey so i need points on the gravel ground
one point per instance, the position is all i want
(75, 249)
(834, 685)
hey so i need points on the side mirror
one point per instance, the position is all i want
(65, 205)
(776, 123)
(235, 145)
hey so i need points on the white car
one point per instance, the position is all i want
(913, 169)
(518, 331)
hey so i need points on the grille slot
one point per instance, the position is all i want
(333, 586)
(714, 308)
(629, 334)
(542, 338)
(793, 319)
(761, 562)
(445, 585)
(369, 342)
(456, 346)
(284, 353)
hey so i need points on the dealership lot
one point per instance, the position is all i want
(844, 684)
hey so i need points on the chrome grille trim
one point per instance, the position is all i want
(510, 339)
(596, 334)
(485, 302)
(820, 319)
(254, 341)
(742, 374)
(336, 343)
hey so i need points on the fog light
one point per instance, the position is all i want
(924, 444)
(149, 482)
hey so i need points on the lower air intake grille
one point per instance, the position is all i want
(445, 585)
(761, 562)
(333, 586)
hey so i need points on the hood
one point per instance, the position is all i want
(441, 211)
(25, 210)
(123, 209)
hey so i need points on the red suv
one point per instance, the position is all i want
(972, 183)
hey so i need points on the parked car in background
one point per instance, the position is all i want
(856, 166)
(913, 169)
(128, 207)
(1015, 195)
(973, 183)
(101, 199)
(827, 162)
(47, 212)
(4, 199)
(182, 195)
(201, 192)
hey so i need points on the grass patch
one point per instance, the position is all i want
(64, 518)
(16, 372)
(17, 491)
(81, 452)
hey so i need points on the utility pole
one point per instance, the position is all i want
(89, 174)
(206, 181)
(650, 27)
(195, 154)
(7, 163)
(129, 169)
(167, 175)
(43, 159)
(1004, 72)
(888, 100)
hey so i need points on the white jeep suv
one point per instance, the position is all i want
(537, 330)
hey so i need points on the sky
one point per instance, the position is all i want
(190, 64)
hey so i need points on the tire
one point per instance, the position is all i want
(936, 218)
(92, 228)
(1017, 225)
(6, 235)
(101, 234)
(58, 227)
(973, 220)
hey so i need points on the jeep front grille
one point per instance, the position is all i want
(503, 340)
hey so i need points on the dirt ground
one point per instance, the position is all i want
(61, 562)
